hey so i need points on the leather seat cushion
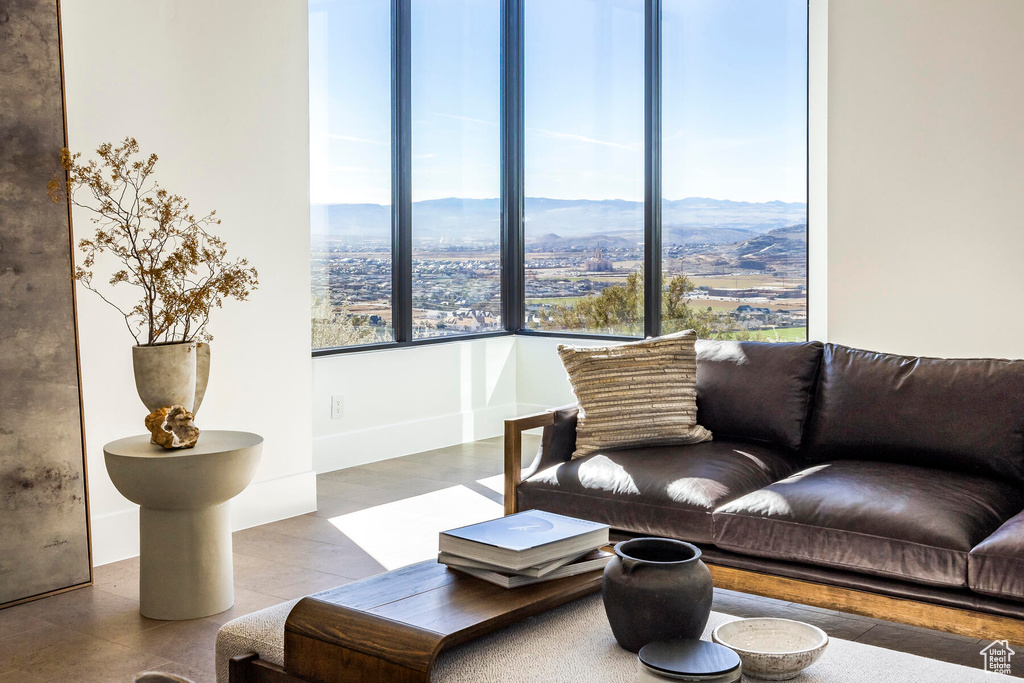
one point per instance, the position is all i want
(957, 414)
(912, 523)
(756, 390)
(996, 566)
(664, 491)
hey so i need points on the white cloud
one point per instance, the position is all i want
(579, 138)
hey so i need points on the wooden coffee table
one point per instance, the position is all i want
(391, 627)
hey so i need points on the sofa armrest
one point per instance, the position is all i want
(557, 445)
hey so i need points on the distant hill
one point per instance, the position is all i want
(709, 235)
(553, 242)
(612, 222)
(793, 232)
(695, 213)
(780, 248)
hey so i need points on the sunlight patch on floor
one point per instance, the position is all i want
(405, 531)
(495, 483)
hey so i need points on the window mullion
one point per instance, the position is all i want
(401, 169)
(652, 169)
(512, 192)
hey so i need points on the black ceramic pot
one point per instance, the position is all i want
(656, 589)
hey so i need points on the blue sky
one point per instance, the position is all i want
(734, 99)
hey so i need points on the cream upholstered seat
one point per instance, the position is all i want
(574, 643)
(261, 632)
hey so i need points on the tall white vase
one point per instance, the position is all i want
(172, 374)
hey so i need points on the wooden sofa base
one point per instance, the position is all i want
(251, 669)
(963, 622)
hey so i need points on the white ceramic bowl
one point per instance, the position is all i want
(772, 649)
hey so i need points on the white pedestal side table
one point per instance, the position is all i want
(184, 526)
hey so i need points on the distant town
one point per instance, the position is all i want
(756, 285)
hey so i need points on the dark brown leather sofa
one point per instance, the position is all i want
(873, 483)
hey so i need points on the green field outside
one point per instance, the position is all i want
(700, 304)
(786, 334)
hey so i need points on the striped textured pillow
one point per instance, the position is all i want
(643, 393)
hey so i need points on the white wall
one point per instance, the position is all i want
(926, 176)
(413, 399)
(218, 90)
(817, 170)
(541, 382)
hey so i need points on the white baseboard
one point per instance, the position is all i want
(274, 499)
(115, 535)
(359, 447)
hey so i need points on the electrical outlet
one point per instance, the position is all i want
(337, 406)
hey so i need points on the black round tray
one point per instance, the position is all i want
(692, 660)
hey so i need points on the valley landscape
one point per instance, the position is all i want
(746, 262)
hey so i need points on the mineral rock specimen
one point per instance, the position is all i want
(172, 427)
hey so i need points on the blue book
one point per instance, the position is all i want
(525, 539)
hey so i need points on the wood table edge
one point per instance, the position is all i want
(333, 643)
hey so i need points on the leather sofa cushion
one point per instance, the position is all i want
(965, 415)
(910, 523)
(558, 442)
(996, 566)
(662, 491)
(756, 390)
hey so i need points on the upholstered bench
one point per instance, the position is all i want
(575, 643)
(261, 632)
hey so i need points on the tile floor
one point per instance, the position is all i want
(370, 518)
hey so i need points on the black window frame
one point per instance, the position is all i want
(512, 201)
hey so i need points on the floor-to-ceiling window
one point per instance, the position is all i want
(584, 166)
(734, 168)
(456, 217)
(503, 166)
(350, 171)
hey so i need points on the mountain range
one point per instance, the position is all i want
(555, 223)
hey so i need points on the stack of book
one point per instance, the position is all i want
(525, 548)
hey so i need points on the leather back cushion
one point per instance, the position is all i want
(956, 414)
(756, 390)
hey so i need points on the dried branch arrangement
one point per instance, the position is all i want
(159, 245)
